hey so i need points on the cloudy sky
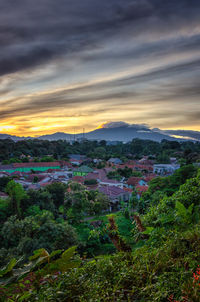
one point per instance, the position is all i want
(69, 64)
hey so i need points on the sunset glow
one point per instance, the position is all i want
(80, 64)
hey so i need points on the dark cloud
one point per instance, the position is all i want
(115, 93)
(35, 32)
(120, 56)
(138, 127)
(60, 100)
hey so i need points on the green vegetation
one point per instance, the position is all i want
(60, 243)
(165, 186)
(186, 152)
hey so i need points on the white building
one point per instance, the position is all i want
(165, 169)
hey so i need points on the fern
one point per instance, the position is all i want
(184, 213)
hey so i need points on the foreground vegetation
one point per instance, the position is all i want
(155, 259)
(61, 244)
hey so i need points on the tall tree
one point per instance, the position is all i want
(16, 194)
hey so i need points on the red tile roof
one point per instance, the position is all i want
(128, 190)
(150, 177)
(39, 176)
(102, 176)
(133, 181)
(35, 165)
(79, 179)
(141, 189)
(44, 184)
(112, 191)
(92, 187)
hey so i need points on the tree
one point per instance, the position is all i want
(100, 152)
(3, 182)
(90, 182)
(16, 194)
(126, 172)
(22, 237)
(97, 202)
(4, 209)
(163, 158)
(41, 197)
(57, 191)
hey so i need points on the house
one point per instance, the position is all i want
(3, 195)
(79, 179)
(6, 168)
(115, 195)
(140, 190)
(145, 161)
(35, 177)
(173, 160)
(4, 174)
(82, 171)
(111, 182)
(115, 161)
(165, 169)
(134, 181)
(101, 176)
(77, 159)
(149, 177)
(97, 161)
(17, 174)
(75, 162)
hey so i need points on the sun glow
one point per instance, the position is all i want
(6, 128)
(101, 126)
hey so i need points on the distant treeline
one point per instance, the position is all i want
(189, 151)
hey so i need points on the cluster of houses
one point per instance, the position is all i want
(34, 175)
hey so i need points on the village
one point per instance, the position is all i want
(114, 178)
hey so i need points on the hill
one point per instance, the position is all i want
(119, 131)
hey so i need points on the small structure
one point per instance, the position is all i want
(79, 179)
(28, 167)
(115, 161)
(140, 190)
(101, 177)
(82, 171)
(115, 195)
(165, 169)
(3, 195)
(134, 181)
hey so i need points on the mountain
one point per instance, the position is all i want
(187, 134)
(13, 137)
(57, 136)
(119, 131)
(126, 134)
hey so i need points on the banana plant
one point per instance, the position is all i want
(42, 263)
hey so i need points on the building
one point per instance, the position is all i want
(140, 190)
(29, 167)
(101, 177)
(115, 161)
(134, 181)
(82, 171)
(165, 169)
(115, 195)
(3, 195)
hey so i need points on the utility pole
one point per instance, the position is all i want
(74, 135)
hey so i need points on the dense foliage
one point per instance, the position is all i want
(10, 151)
(148, 251)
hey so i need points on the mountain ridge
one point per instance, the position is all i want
(117, 131)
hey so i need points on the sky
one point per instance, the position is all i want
(66, 65)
